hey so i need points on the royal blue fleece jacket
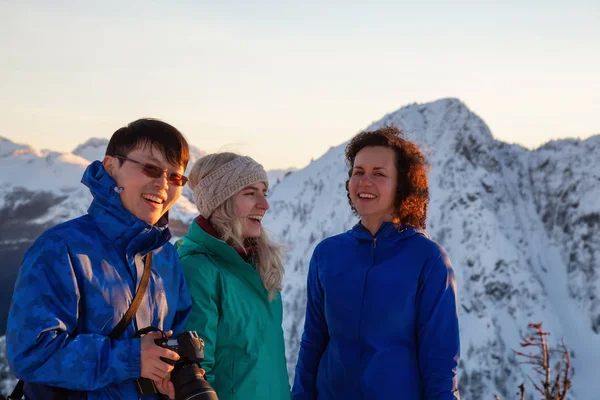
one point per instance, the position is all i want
(381, 319)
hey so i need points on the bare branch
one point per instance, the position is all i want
(550, 389)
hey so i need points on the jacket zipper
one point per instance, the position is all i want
(360, 323)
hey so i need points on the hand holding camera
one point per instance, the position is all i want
(156, 362)
(181, 357)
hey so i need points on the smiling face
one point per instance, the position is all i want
(251, 205)
(145, 197)
(372, 186)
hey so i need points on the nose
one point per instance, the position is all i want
(263, 203)
(364, 181)
(161, 182)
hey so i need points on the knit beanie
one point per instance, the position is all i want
(226, 181)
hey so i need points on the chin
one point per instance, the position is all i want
(149, 219)
(252, 235)
(363, 212)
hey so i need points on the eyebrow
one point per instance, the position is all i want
(254, 189)
(148, 159)
(155, 161)
(360, 167)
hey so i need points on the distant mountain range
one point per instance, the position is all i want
(521, 227)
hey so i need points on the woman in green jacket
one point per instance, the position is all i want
(234, 275)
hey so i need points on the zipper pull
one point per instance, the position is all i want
(374, 243)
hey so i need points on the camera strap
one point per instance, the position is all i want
(137, 300)
(117, 331)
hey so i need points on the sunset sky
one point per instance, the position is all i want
(283, 81)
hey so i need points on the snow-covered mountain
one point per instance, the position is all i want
(92, 149)
(7, 380)
(521, 227)
(278, 175)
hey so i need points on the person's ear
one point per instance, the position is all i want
(109, 164)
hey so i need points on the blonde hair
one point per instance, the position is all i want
(227, 223)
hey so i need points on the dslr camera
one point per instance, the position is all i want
(186, 377)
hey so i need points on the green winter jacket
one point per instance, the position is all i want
(244, 354)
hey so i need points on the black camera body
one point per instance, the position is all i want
(188, 345)
(186, 376)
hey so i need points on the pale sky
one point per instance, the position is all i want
(282, 81)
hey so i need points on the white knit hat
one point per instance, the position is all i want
(226, 181)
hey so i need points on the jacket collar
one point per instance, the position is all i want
(245, 252)
(129, 233)
(199, 241)
(207, 226)
(387, 232)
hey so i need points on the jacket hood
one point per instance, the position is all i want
(116, 222)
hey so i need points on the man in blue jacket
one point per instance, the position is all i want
(79, 278)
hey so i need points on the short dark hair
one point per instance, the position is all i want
(148, 132)
(412, 188)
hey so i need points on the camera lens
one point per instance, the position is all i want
(189, 384)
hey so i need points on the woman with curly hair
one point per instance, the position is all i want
(234, 273)
(381, 319)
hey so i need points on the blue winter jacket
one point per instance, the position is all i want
(76, 282)
(381, 319)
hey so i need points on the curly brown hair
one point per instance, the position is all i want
(412, 188)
